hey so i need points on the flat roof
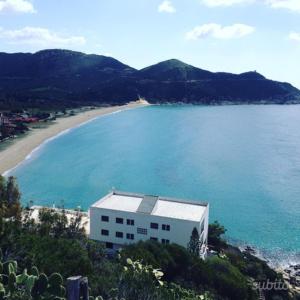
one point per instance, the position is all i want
(119, 202)
(153, 205)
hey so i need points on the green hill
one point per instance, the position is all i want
(63, 78)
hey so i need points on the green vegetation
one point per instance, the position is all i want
(27, 286)
(216, 231)
(194, 244)
(136, 281)
(53, 79)
(216, 275)
(146, 270)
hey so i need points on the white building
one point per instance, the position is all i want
(122, 218)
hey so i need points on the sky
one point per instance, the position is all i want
(218, 35)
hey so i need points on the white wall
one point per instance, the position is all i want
(180, 230)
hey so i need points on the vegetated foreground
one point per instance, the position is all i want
(39, 256)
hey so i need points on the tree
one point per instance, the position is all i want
(194, 243)
(51, 222)
(215, 232)
(56, 223)
(2, 188)
(12, 191)
(10, 198)
(4, 132)
(227, 279)
(2, 202)
(75, 228)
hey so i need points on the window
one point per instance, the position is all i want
(119, 234)
(142, 231)
(119, 220)
(130, 222)
(154, 239)
(109, 245)
(104, 232)
(154, 225)
(104, 218)
(130, 236)
(164, 241)
(166, 227)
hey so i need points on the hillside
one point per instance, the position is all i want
(39, 247)
(63, 78)
(174, 70)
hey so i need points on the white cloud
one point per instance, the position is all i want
(219, 32)
(293, 5)
(294, 36)
(215, 3)
(40, 36)
(16, 6)
(167, 7)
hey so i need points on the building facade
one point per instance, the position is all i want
(123, 218)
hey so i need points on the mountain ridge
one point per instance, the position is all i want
(64, 78)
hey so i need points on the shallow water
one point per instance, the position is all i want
(244, 160)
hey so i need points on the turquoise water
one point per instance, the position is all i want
(244, 160)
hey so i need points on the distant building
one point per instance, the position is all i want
(122, 218)
(4, 120)
(26, 120)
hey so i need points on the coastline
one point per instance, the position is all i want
(20, 149)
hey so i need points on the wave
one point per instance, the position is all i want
(275, 257)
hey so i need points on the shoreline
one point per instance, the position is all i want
(22, 148)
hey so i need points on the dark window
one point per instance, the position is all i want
(109, 245)
(154, 239)
(119, 234)
(104, 232)
(119, 220)
(164, 241)
(104, 218)
(130, 236)
(154, 225)
(165, 227)
(142, 231)
(130, 222)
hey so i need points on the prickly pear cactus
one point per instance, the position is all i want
(55, 279)
(55, 285)
(29, 286)
(10, 267)
(97, 298)
(40, 286)
(34, 271)
(12, 283)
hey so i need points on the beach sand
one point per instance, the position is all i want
(21, 148)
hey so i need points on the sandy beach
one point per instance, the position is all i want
(21, 148)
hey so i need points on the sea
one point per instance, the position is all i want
(244, 160)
